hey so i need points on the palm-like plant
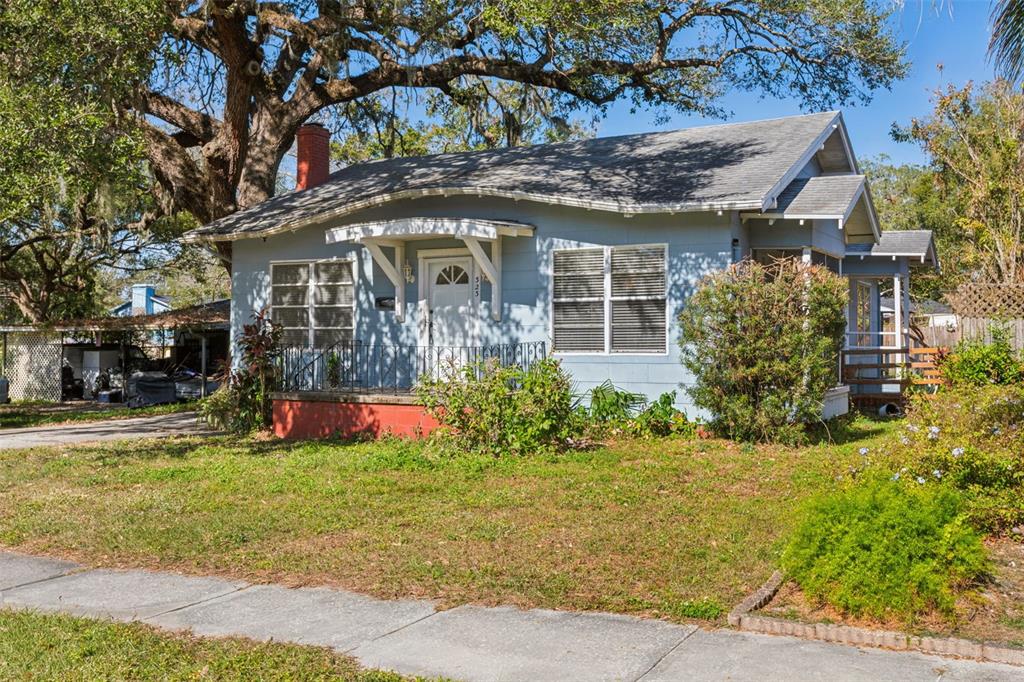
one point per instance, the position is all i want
(1006, 47)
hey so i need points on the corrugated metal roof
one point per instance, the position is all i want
(730, 166)
(208, 316)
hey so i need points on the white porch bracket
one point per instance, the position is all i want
(391, 270)
(395, 233)
(491, 268)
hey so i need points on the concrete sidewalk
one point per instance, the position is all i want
(178, 423)
(466, 643)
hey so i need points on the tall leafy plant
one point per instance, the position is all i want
(244, 404)
(762, 343)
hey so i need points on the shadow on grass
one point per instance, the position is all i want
(180, 448)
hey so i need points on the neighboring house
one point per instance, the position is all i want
(143, 301)
(589, 248)
(923, 314)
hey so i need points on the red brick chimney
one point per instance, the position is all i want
(314, 154)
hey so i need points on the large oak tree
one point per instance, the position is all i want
(236, 79)
(168, 108)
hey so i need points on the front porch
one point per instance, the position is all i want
(883, 358)
(354, 389)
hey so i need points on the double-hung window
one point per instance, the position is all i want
(313, 301)
(610, 299)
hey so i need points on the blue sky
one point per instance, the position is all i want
(954, 35)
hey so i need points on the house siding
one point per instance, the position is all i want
(698, 243)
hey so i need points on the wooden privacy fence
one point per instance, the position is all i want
(981, 307)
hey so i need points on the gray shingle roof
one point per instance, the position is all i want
(916, 244)
(824, 195)
(903, 243)
(730, 166)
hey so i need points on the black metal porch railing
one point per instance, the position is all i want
(353, 366)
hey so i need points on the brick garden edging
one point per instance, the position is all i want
(742, 618)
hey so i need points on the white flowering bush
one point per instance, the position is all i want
(970, 439)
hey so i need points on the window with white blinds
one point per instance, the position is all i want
(314, 302)
(610, 299)
(579, 301)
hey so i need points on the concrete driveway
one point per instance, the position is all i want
(177, 424)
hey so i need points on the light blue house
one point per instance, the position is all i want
(585, 251)
(142, 300)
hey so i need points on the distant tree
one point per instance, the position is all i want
(909, 197)
(75, 196)
(974, 141)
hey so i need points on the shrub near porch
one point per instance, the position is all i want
(673, 528)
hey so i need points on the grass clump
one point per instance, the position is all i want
(58, 647)
(886, 549)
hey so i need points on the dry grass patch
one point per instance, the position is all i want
(677, 529)
(55, 647)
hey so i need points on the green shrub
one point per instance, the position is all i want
(762, 343)
(244, 404)
(503, 410)
(971, 438)
(615, 411)
(661, 418)
(976, 363)
(609, 404)
(886, 549)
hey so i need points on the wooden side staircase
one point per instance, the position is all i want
(878, 376)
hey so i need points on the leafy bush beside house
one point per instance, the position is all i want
(762, 343)
(244, 404)
(503, 410)
(622, 412)
(975, 362)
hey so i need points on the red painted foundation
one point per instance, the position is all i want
(317, 416)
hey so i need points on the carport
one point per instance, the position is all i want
(33, 357)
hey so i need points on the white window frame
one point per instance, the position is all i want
(607, 299)
(310, 306)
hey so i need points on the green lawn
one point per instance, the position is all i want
(24, 415)
(54, 647)
(672, 528)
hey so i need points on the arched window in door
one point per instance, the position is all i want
(452, 274)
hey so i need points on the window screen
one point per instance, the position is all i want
(578, 314)
(610, 299)
(830, 262)
(638, 299)
(313, 302)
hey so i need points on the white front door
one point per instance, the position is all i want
(450, 300)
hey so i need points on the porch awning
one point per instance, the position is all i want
(395, 233)
(914, 245)
(843, 198)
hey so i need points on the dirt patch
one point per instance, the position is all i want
(994, 614)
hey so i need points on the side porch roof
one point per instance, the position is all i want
(843, 198)
(914, 245)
